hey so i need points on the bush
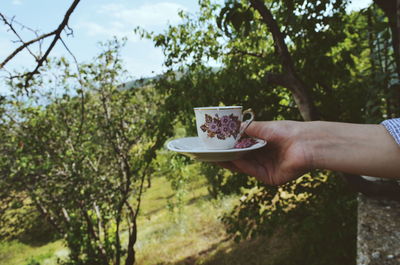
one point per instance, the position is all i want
(319, 210)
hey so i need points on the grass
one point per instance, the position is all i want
(171, 233)
(189, 232)
(182, 229)
(17, 253)
(263, 250)
(194, 235)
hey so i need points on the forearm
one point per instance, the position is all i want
(353, 148)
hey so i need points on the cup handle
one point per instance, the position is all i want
(246, 123)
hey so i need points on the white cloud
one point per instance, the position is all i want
(119, 20)
(96, 29)
(148, 15)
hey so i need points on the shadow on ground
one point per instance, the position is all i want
(262, 250)
(323, 244)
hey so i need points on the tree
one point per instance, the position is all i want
(81, 157)
(39, 58)
(287, 60)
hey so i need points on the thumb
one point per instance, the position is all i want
(259, 129)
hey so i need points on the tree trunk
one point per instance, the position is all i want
(130, 259)
(301, 93)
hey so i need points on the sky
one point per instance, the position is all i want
(93, 22)
(98, 21)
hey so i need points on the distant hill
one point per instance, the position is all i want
(139, 82)
(148, 80)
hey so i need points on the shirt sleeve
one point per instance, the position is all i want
(393, 127)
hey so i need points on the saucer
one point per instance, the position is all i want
(193, 147)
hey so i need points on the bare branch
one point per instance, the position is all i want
(57, 35)
(82, 95)
(9, 24)
(23, 46)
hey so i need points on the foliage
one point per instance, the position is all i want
(224, 182)
(320, 35)
(382, 91)
(82, 155)
(79, 155)
(226, 55)
(318, 208)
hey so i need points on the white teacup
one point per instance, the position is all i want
(221, 127)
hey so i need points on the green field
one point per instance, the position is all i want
(190, 232)
(184, 230)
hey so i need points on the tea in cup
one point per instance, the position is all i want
(221, 127)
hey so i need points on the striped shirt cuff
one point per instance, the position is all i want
(393, 127)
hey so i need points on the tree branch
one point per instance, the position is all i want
(235, 51)
(92, 232)
(81, 92)
(276, 79)
(9, 24)
(277, 35)
(23, 46)
(299, 90)
(57, 35)
(292, 81)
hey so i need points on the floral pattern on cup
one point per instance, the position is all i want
(221, 127)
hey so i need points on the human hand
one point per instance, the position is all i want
(284, 158)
